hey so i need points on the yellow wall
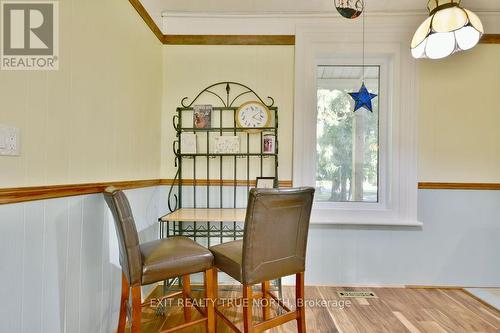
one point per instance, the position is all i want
(459, 124)
(267, 69)
(97, 118)
(459, 136)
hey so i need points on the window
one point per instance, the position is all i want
(346, 142)
(362, 164)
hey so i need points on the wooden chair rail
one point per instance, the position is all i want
(31, 193)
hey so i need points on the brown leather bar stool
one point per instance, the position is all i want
(155, 261)
(274, 245)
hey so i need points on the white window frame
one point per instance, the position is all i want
(331, 45)
(385, 107)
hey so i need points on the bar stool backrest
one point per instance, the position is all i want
(128, 239)
(275, 237)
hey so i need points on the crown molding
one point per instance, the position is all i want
(209, 39)
(490, 39)
(229, 40)
(147, 19)
(259, 39)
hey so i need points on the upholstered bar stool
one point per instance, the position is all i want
(155, 261)
(274, 245)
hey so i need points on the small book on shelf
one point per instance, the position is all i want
(202, 116)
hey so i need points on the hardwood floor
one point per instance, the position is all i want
(395, 310)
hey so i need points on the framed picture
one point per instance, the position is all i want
(227, 144)
(202, 116)
(266, 182)
(269, 144)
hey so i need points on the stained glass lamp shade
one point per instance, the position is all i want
(450, 28)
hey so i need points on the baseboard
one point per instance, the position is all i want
(440, 287)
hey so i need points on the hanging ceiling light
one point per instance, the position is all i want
(448, 29)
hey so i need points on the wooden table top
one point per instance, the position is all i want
(206, 214)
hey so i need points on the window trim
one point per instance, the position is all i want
(398, 205)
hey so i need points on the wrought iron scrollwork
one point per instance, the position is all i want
(175, 147)
(226, 100)
(176, 122)
(171, 195)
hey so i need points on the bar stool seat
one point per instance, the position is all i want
(229, 259)
(176, 256)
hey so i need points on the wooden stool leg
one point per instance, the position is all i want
(266, 299)
(123, 305)
(186, 292)
(136, 309)
(247, 309)
(215, 275)
(299, 301)
(210, 299)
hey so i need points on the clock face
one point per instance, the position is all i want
(253, 115)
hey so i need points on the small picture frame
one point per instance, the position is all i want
(269, 144)
(202, 116)
(266, 182)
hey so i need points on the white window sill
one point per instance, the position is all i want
(375, 215)
(389, 223)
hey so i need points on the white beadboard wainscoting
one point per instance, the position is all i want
(59, 262)
(59, 269)
(457, 245)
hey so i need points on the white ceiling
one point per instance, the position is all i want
(297, 6)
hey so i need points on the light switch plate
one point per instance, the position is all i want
(9, 140)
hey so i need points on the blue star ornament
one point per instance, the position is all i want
(363, 99)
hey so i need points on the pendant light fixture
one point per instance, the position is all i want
(350, 9)
(450, 28)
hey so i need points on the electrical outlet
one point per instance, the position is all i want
(9, 140)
